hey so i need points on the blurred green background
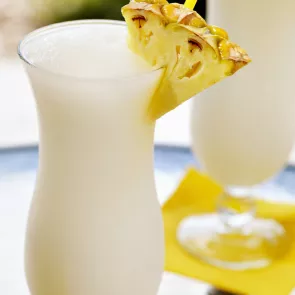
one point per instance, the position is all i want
(52, 11)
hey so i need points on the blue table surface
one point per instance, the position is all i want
(168, 160)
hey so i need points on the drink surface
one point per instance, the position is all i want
(90, 50)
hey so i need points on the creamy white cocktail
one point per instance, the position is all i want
(95, 225)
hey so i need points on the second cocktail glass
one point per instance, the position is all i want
(240, 142)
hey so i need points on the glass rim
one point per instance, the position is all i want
(48, 28)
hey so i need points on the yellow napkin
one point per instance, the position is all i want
(197, 194)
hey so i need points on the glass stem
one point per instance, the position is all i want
(236, 209)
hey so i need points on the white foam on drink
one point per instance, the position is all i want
(92, 50)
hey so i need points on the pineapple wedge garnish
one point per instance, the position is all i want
(193, 54)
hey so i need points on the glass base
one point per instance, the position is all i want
(251, 247)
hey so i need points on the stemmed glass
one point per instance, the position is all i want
(240, 140)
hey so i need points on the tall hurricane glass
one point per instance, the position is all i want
(95, 223)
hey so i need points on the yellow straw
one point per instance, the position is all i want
(190, 4)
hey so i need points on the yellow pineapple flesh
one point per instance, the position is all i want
(193, 54)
